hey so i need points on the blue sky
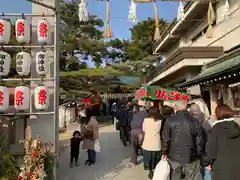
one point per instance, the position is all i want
(118, 8)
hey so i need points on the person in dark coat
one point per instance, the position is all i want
(196, 112)
(167, 112)
(122, 117)
(74, 147)
(183, 144)
(223, 146)
(139, 114)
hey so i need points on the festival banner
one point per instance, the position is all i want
(158, 93)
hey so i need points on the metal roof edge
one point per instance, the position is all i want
(219, 60)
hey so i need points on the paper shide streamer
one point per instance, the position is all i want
(132, 15)
(180, 14)
(226, 11)
(210, 20)
(83, 12)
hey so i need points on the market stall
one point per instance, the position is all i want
(155, 93)
(158, 95)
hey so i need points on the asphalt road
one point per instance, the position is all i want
(112, 162)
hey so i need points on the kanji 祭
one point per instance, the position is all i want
(20, 29)
(1, 98)
(1, 29)
(19, 98)
(42, 97)
(43, 30)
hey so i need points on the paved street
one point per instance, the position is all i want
(112, 161)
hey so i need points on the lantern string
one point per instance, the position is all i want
(210, 19)
(157, 35)
(107, 32)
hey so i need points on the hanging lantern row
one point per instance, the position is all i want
(23, 63)
(23, 31)
(22, 98)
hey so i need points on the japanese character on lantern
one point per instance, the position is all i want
(19, 63)
(5, 31)
(2, 59)
(1, 98)
(43, 30)
(20, 29)
(19, 98)
(23, 63)
(1, 29)
(4, 98)
(41, 62)
(42, 97)
(5, 61)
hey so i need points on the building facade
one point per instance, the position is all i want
(187, 38)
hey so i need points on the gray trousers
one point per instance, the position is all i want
(190, 171)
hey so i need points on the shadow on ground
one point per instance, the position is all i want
(110, 161)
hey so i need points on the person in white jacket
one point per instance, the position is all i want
(152, 140)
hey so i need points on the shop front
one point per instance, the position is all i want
(221, 79)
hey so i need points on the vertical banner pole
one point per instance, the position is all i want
(56, 84)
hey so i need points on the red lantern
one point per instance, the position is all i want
(22, 97)
(41, 97)
(5, 31)
(43, 31)
(22, 28)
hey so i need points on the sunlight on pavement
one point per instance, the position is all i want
(112, 161)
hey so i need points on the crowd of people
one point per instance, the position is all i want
(195, 148)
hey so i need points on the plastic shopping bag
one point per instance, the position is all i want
(162, 171)
(97, 145)
(116, 123)
(207, 174)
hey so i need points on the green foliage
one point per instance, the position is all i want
(83, 38)
(8, 166)
(141, 44)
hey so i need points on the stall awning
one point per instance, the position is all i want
(228, 63)
(158, 93)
